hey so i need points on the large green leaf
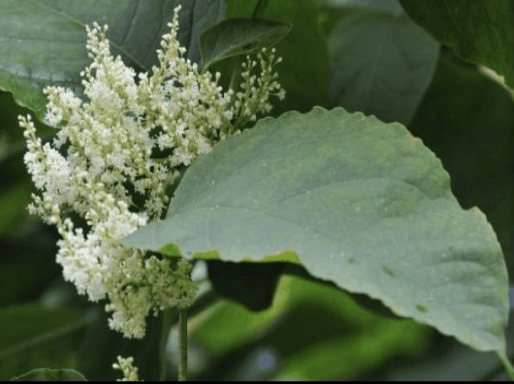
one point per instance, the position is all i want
(362, 203)
(48, 374)
(43, 42)
(467, 119)
(481, 31)
(239, 37)
(382, 63)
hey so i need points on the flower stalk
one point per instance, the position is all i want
(182, 339)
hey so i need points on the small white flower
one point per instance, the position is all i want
(126, 366)
(109, 142)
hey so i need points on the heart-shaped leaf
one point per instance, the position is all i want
(236, 37)
(361, 203)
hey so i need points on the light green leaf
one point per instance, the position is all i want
(362, 203)
(481, 31)
(382, 64)
(44, 42)
(355, 354)
(48, 374)
(298, 306)
(236, 37)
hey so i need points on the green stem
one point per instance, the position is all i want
(206, 300)
(507, 365)
(236, 73)
(259, 9)
(182, 340)
(166, 323)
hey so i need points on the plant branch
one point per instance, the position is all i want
(182, 340)
(259, 9)
(166, 323)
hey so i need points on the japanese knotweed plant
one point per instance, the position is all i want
(336, 197)
(115, 157)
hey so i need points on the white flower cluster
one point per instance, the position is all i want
(121, 153)
(126, 366)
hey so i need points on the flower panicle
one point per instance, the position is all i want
(127, 367)
(102, 166)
